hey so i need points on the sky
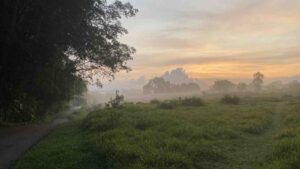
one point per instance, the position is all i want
(214, 38)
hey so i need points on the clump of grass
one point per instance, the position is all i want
(285, 155)
(230, 100)
(194, 101)
(288, 133)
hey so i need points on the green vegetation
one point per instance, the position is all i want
(194, 101)
(167, 105)
(286, 150)
(230, 100)
(154, 101)
(160, 85)
(115, 102)
(171, 104)
(255, 134)
(66, 148)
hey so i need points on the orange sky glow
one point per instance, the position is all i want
(214, 38)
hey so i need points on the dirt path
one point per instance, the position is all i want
(14, 142)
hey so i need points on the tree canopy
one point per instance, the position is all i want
(258, 81)
(223, 86)
(50, 49)
(160, 85)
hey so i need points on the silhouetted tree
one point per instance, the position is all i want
(156, 85)
(115, 102)
(293, 87)
(275, 86)
(193, 87)
(258, 80)
(160, 85)
(176, 76)
(223, 86)
(50, 49)
(241, 87)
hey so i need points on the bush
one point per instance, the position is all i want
(175, 102)
(154, 101)
(194, 101)
(230, 100)
(166, 105)
(170, 104)
(115, 102)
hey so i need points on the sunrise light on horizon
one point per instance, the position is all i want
(213, 39)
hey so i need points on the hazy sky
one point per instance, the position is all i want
(215, 38)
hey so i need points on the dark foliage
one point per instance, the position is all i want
(194, 101)
(258, 80)
(154, 101)
(171, 104)
(223, 86)
(50, 49)
(160, 85)
(166, 105)
(115, 102)
(230, 100)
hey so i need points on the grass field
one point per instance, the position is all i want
(254, 134)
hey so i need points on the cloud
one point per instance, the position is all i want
(221, 36)
(251, 58)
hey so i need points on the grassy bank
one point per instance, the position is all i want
(251, 134)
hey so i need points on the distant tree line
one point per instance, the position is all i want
(292, 87)
(225, 86)
(51, 49)
(257, 85)
(160, 85)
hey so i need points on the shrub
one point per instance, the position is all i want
(230, 100)
(115, 102)
(166, 105)
(194, 101)
(154, 101)
(175, 102)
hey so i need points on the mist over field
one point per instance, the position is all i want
(133, 89)
(150, 84)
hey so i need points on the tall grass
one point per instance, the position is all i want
(171, 104)
(145, 136)
(286, 144)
